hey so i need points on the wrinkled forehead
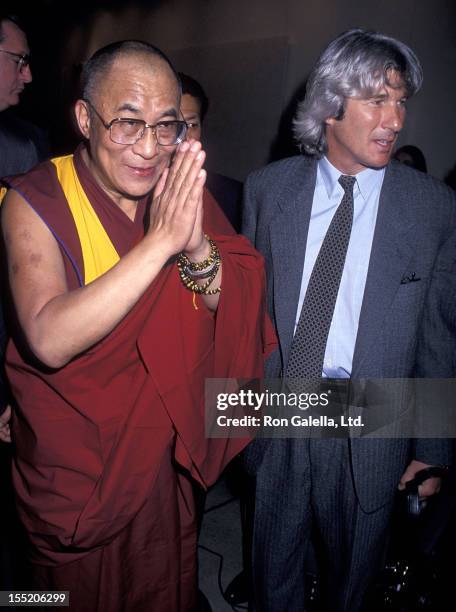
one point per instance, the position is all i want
(137, 74)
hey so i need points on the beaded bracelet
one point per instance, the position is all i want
(191, 284)
(198, 266)
(203, 274)
(207, 269)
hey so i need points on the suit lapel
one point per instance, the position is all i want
(392, 250)
(288, 235)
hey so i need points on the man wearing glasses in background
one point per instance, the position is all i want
(22, 145)
(115, 273)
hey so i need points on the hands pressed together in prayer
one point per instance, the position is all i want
(177, 210)
(176, 217)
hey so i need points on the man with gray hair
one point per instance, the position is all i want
(350, 242)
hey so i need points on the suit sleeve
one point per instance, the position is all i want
(436, 351)
(249, 212)
(252, 456)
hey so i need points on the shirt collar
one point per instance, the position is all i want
(366, 181)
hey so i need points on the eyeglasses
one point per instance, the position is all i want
(22, 61)
(126, 131)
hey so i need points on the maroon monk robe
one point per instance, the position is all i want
(106, 445)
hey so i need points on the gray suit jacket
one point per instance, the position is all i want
(416, 217)
(22, 145)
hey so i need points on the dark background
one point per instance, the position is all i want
(251, 56)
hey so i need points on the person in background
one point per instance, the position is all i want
(128, 293)
(411, 156)
(226, 191)
(17, 151)
(351, 244)
(22, 144)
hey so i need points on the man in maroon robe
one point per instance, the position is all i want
(108, 372)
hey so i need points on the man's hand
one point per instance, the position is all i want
(5, 432)
(177, 207)
(428, 488)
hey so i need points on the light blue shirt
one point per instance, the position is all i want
(327, 197)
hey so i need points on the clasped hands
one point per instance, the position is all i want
(176, 215)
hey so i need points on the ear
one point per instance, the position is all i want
(82, 114)
(330, 121)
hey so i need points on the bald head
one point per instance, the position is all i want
(98, 67)
(135, 83)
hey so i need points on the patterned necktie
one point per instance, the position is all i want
(309, 343)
